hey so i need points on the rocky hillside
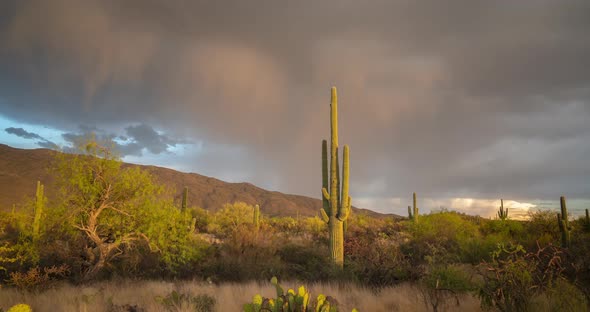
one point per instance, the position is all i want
(21, 168)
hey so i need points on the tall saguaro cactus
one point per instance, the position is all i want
(413, 212)
(587, 220)
(502, 213)
(562, 220)
(256, 220)
(39, 206)
(335, 197)
(184, 199)
(416, 210)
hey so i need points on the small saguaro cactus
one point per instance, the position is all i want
(39, 206)
(502, 213)
(184, 199)
(564, 227)
(336, 201)
(416, 210)
(256, 220)
(587, 221)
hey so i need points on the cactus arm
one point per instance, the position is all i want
(326, 194)
(344, 209)
(410, 216)
(324, 215)
(325, 178)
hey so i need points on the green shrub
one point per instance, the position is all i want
(181, 302)
(443, 283)
(513, 278)
(565, 297)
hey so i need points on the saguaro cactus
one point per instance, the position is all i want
(416, 210)
(562, 220)
(335, 198)
(413, 212)
(257, 217)
(39, 206)
(184, 199)
(502, 213)
(587, 221)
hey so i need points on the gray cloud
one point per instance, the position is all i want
(148, 138)
(462, 98)
(43, 142)
(20, 132)
(139, 138)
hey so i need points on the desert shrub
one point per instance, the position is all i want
(287, 225)
(566, 297)
(37, 278)
(507, 229)
(244, 254)
(230, 217)
(305, 262)
(376, 259)
(315, 226)
(203, 218)
(541, 228)
(442, 285)
(7, 255)
(442, 233)
(176, 301)
(513, 278)
(477, 249)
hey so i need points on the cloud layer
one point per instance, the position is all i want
(478, 99)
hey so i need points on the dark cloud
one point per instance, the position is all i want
(23, 133)
(20, 132)
(461, 98)
(139, 138)
(149, 139)
(48, 144)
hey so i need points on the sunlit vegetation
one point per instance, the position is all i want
(125, 245)
(443, 258)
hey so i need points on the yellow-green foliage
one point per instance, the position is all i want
(6, 256)
(230, 217)
(118, 207)
(444, 237)
(20, 308)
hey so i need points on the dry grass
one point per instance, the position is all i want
(229, 297)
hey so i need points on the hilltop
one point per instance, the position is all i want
(21, 168)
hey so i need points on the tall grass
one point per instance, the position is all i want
(229, 297)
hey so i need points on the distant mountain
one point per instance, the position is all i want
(21, 168)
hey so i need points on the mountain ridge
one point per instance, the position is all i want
(21, 168)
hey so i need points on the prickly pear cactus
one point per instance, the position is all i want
(291, 301)
(20, 308)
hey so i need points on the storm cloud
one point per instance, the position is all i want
(20, 132)
(477, 99)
